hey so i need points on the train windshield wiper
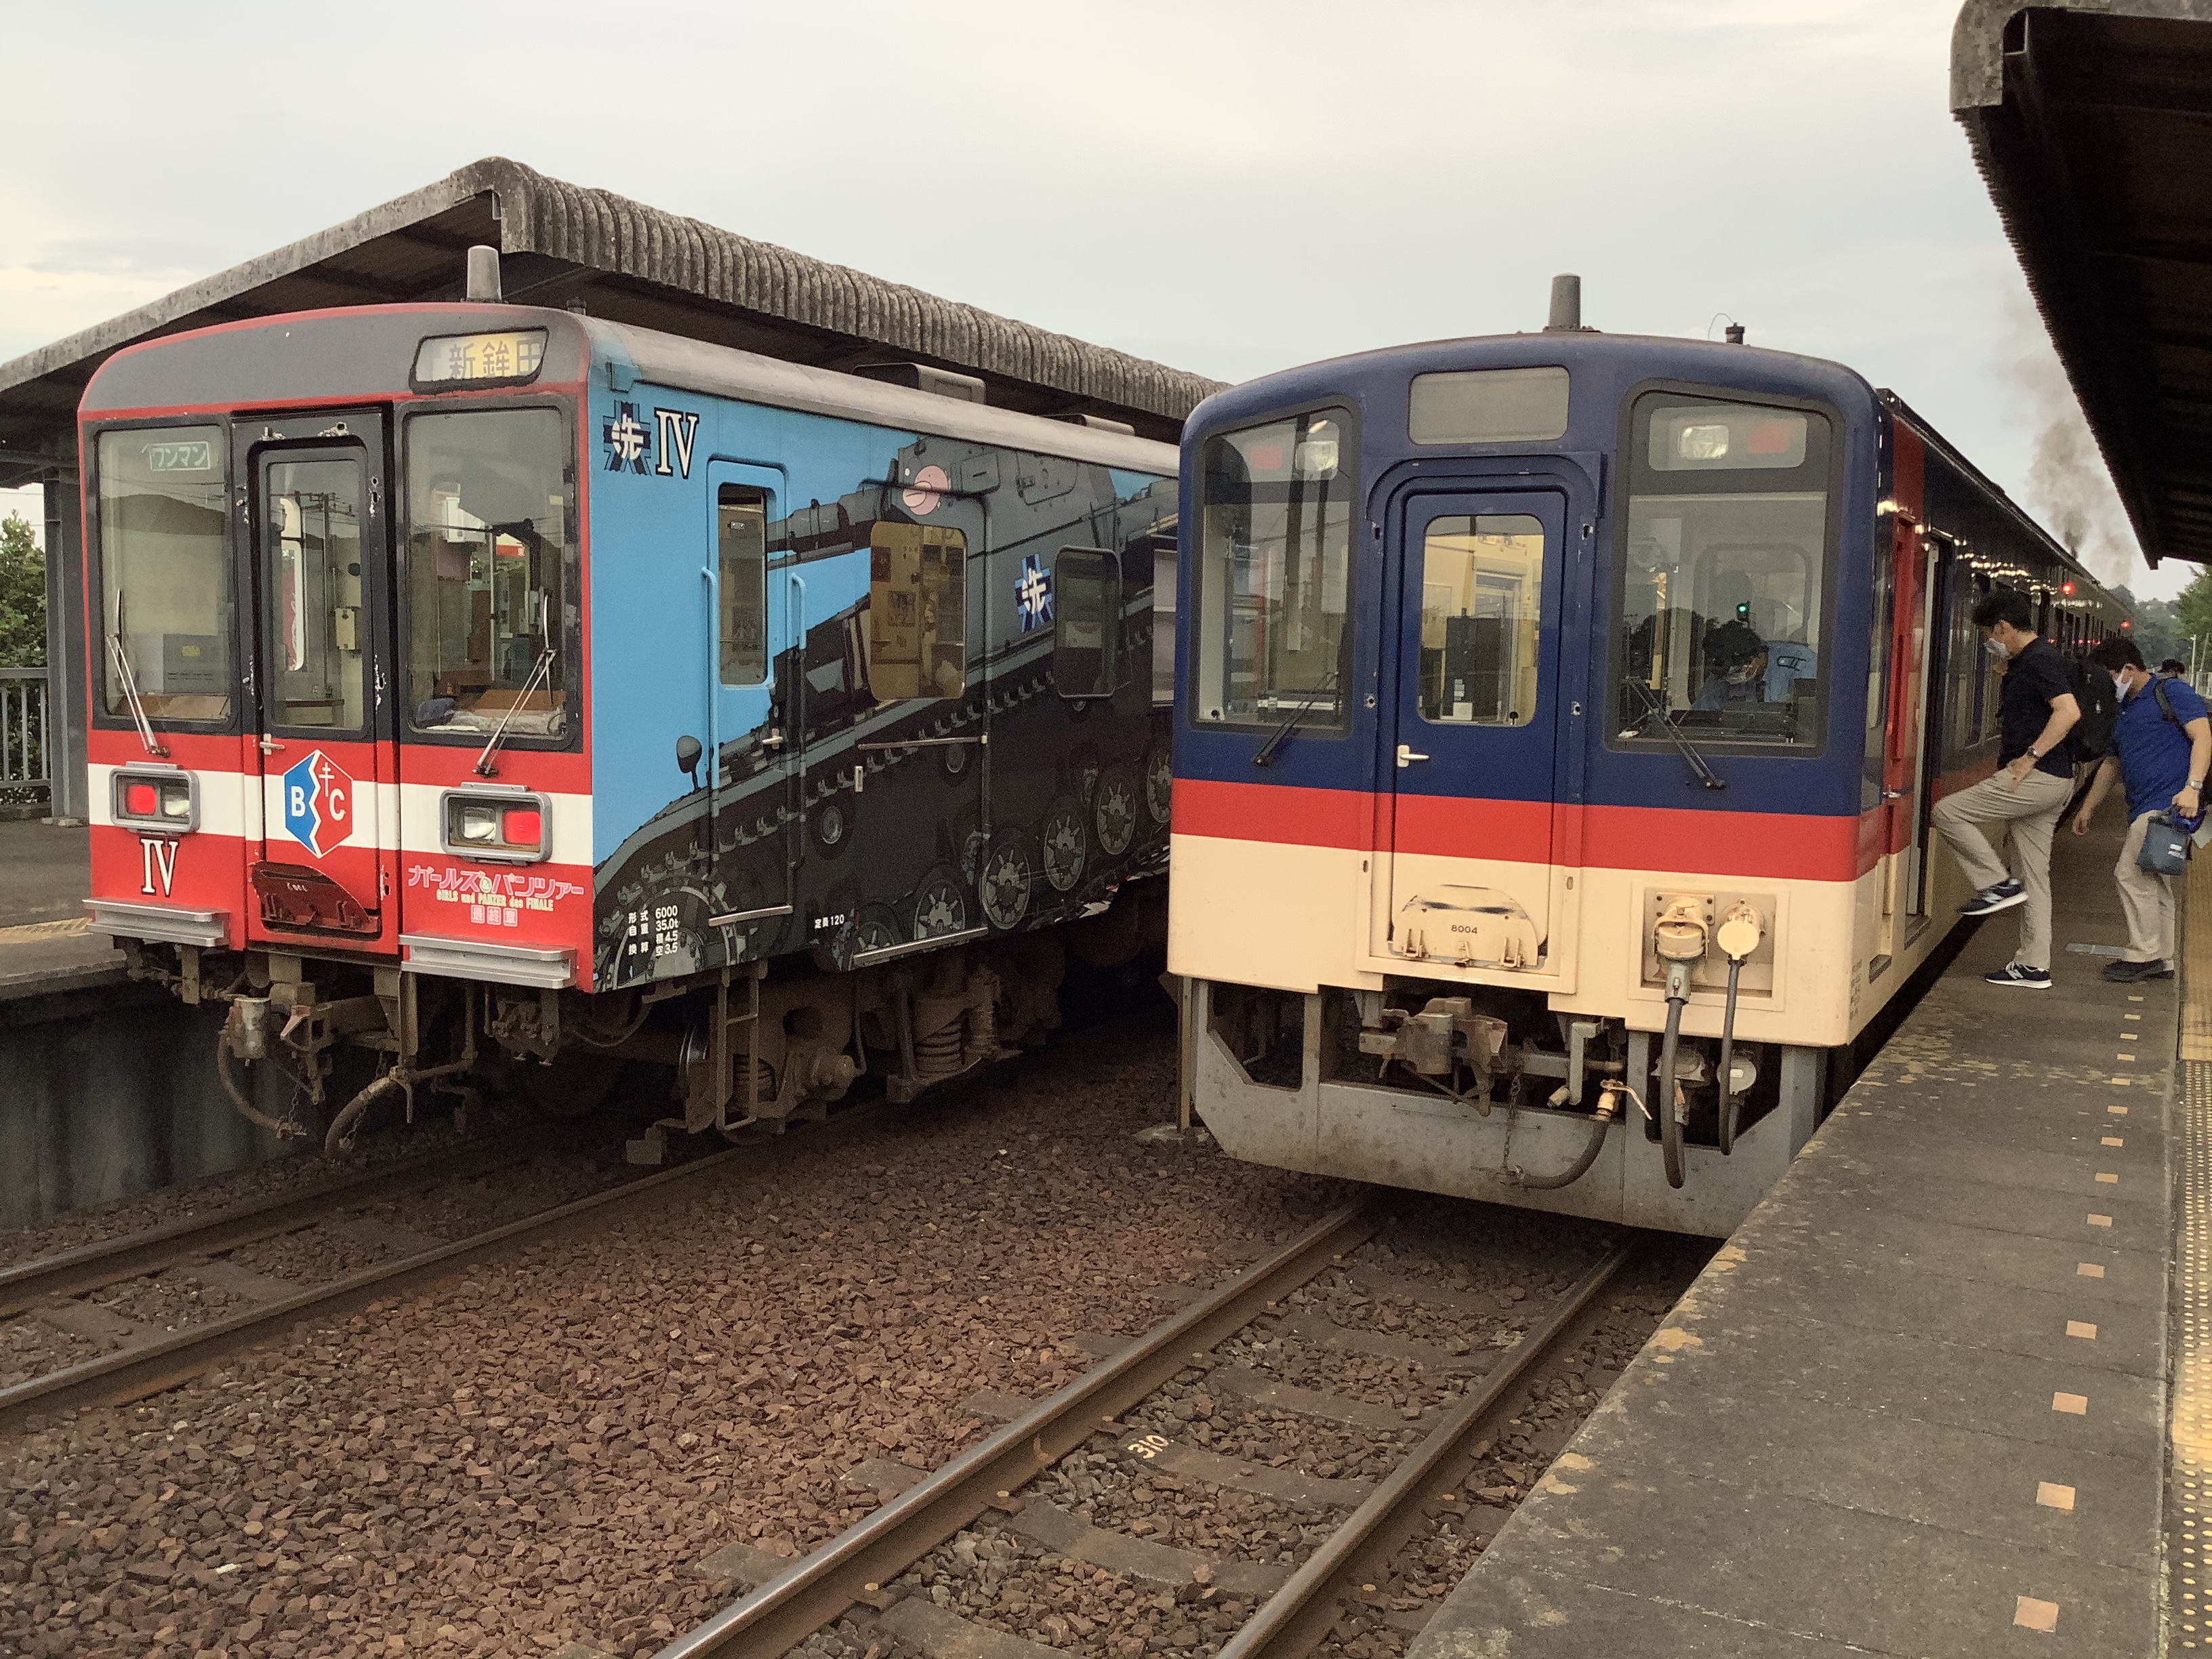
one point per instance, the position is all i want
(127, 678)
(1654, 709)
(1267, 750)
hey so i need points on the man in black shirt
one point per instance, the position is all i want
(2035, 775)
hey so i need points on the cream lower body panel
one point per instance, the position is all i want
(1294, 918)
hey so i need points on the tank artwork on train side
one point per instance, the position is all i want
(502, 697)
(881, 841)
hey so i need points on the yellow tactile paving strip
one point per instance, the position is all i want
(2189, 1488)
(38, 930)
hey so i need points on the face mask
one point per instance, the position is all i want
(1993, 647)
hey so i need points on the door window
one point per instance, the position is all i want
(164, 573)
(1482, 583)
(487, 570)
(741, 537)
(318, 625)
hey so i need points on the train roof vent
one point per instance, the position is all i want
(1098, 423)
(943, 382)
(1566, 316)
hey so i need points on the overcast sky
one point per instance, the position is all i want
(1229, 188)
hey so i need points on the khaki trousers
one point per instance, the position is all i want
(2146, 900)
(2032, 811)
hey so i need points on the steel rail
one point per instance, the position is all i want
(818, 1588)
(91, 1266)
(144, 1368)
(1298, 1618)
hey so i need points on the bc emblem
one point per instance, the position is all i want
(1033, 594)
(319, 803)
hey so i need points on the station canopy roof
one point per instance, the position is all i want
(561, 243)
(2092, 123)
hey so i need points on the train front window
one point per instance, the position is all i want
(164, 573)
(1722, 572)
(487, 570)
(1273, 572)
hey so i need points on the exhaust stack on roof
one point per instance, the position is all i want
(484, 274)
(1566, 304)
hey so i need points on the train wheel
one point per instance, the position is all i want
(1160, 782)
(1010, 869)
(1067, 845)
(940, 904)
(1116, 810)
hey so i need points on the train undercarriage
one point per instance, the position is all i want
(738, 1050)
(1484, 1093)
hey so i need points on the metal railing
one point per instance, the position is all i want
(26, 751)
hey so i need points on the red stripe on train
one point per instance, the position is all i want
(1762, 844)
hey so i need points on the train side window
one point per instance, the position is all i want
(1482, 582)
(741, 549)
(1273, 578)
(1721, 603)
(917, 612)
(1086, 622)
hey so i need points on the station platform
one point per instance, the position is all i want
(1919, 1404)
(45, 871)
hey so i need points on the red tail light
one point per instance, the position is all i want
(139, 800)
(522, 826)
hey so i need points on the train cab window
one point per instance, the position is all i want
(917, 612)
(741, 549)
(164, 573)
(1273, 572)
(1482, 581)
(1723, 577)
(1086, 622)
(487, 570)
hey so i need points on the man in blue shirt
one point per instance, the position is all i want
(2161, 744)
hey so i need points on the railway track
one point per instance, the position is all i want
(149, 1359)
(1293, 1611)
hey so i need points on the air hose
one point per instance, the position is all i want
(1740, 931)
(1728, 1063)
(282, 1127)
(1670, 1113)
(1600, 1122)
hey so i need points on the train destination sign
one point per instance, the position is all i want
(465, 359)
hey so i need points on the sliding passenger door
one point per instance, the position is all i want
(756, 718)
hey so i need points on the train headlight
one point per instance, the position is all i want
(1703, 443)
(501, 826)
(162, 800)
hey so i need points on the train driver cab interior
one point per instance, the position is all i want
(1721, 594)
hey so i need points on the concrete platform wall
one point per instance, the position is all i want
(108, 1090)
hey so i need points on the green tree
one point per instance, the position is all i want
(2193, 617)
(2158, 633)
(22, 596)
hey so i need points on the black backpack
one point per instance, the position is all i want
(2092, 736)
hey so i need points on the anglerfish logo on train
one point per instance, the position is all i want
(319, 803)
